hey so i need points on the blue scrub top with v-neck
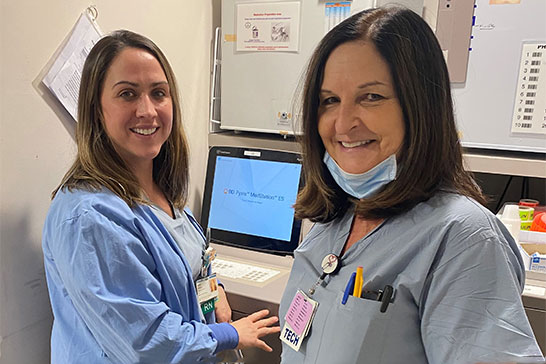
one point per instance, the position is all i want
(457, 275)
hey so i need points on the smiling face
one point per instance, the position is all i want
(137, 107)
(360, 119)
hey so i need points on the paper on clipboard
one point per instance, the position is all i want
(63, 78)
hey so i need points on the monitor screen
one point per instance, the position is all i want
(249, 198)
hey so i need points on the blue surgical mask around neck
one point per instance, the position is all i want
(362, 184)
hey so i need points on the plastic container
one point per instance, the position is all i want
(528, 202)
(539, 222)
(526, 213)
(511, 211)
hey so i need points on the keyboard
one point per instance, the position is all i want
(237, 270)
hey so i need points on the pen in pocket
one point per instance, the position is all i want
(348, 288)
(354, 285)
(359, 280)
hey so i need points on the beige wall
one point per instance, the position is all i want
(36, 143)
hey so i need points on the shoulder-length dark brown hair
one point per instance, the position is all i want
(430, 159)
(97, 163)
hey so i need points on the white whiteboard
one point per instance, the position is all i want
(484, 105)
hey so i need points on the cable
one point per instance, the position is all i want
(502, 195)
(525, 187)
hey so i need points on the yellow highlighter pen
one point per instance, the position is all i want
(359, 280)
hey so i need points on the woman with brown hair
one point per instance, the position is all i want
(121, 252)
(403, 264)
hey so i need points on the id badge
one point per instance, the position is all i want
(208, 256)
(298, 320)
(207, 288)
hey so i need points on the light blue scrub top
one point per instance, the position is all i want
(458, 277)
(189, 239)
(121, 289)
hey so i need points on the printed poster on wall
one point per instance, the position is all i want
(268, 27)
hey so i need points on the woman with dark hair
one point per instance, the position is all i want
(121, 252)
(385, 185)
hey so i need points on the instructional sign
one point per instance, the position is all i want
(268, 27)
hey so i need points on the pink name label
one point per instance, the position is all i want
(299, 313)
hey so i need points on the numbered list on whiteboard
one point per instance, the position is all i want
(530, 104)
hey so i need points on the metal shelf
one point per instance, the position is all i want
(512, 164)
(254, 140)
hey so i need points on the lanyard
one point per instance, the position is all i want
(197, 227)
(207, 253)
(331, 263)
(301, 311)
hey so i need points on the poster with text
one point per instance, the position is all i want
(268, 27)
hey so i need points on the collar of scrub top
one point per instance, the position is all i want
(330, 264)
(205, 262)
(330, 267)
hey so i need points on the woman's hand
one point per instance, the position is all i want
(253, 327)
(222, 308)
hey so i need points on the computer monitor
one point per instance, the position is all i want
(249, 197)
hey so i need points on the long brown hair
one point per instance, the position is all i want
(430, 159)
(97, 163)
